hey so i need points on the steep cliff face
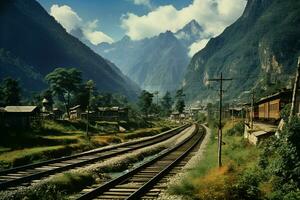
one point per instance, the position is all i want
(259, 50)
(37, 44)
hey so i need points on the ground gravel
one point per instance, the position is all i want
(174, 180)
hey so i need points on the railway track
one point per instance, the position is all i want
(25, 175)
(147, 180)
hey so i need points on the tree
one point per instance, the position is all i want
(64, 82)
(11, 92)
(145, 102)
(167, 103)
(180, 105)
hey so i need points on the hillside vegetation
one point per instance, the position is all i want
(269, 171)
(259, 51)
(39, 44)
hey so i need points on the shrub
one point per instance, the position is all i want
(237, 129)
(285, 112)
(247, 186)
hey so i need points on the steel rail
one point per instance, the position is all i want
(114, 182)
(130, 146)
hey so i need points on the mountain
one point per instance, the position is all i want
(259, 51)
(190, 33)
(161, 64)
(123, 53)
(157, 63)
(32, 44)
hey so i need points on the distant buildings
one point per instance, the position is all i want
(112, 113)
(102, 114)
(19, 116)
(75, 112)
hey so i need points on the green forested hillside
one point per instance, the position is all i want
(259, 51)
(33, 36)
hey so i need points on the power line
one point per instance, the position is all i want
(220, 80)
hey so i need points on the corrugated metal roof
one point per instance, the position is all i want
(20, 109)
(108, 108)
(75, 107)
(275, 95)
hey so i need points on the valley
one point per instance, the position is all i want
(150, 99)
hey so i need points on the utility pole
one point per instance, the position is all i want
(89, 86)
(295, 89)
(252, 111)
(220, 80)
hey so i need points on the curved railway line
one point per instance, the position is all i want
(25, 175)
(147, 180)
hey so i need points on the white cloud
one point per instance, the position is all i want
(146, 3)
(94, 36)
(65, 16)
(70, 20)
(197, 46)
(212, 15)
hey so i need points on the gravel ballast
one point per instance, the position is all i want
(174, 180)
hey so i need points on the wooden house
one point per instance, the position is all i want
(112, 114)
(175, 116)
(75, 112)
(21, 116)
(269, 107)
(57, 113)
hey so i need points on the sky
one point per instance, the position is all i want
(110, 20)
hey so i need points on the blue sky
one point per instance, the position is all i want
(109, 20)
(109, 12)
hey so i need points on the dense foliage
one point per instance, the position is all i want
(180, 105)
(280, 160)
(145, 102)
(166, 104)
(10, 92)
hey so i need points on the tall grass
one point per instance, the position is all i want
(206, 180)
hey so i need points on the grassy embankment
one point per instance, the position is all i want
(62, 185)
(60, 138)
(206, 180)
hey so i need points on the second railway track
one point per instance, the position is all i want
(145, 181)
(24, 175)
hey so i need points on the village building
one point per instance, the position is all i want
(75, 112)
(267, 114)
(236, 112)
(175, 116)
(47, 106)
(112, 114)
(194, 111)
(20, 116)
(269, 107)
(57, 113)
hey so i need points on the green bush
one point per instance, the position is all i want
(280, 161)
(285, 112)
(237, 129)
(247, 186)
